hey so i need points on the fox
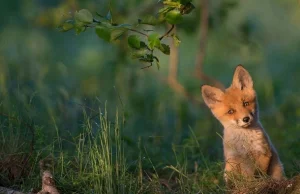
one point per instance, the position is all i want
(248, 150)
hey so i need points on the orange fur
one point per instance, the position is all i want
(247, 147)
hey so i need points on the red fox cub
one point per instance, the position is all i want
(247, 147)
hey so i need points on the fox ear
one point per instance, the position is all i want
(241, 78)
(211, 95)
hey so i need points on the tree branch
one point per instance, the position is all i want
(133, 30)
(202, 47)
(173, 71)
(173, 60)
(168, 32)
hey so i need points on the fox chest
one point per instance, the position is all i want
(245, 143)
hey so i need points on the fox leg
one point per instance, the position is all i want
(236, 167)
(231, 166)
(262, 163)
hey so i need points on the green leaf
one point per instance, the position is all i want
(79, 29)
(144, 45)
(83, 16)
(176, 39)
(174, 17)
(173, 4)
(149, 19)
(66, 26)
(156, 59)
(117, 32)
(186, 9)
(165, 10)
(103, 33)
(134, 41)
(109, 33)
(164, 49)
(147, 58)
(157, 65)
(140, 53)
(153, 40)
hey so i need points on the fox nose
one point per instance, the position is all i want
(246, 119)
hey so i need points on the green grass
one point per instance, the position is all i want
(51, 85)
(153, 145)
(96, 161)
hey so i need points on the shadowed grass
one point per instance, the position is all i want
(96, 161)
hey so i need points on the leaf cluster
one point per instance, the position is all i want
(141, 42)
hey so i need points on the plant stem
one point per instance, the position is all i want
(133, 30)
(168, 32)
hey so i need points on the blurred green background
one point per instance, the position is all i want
(50, 77)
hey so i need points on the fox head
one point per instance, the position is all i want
(237, 105)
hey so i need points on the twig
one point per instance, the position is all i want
(202, 46)
(133, 30)
(168, 32)
(146, 67)
(173, 62)
(173, 71)
(130, 29)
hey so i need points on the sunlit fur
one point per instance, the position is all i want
(234, 98)
(247, 147)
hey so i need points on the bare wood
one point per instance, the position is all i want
(48, 184)
(173, 61)
(172, 79)
(168, 32)
(202, 47)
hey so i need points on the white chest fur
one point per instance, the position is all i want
(239, 142)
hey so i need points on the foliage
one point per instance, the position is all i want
(47, 78)
(142, 49)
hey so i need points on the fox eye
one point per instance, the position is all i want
(246, 103)
(231, 111)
